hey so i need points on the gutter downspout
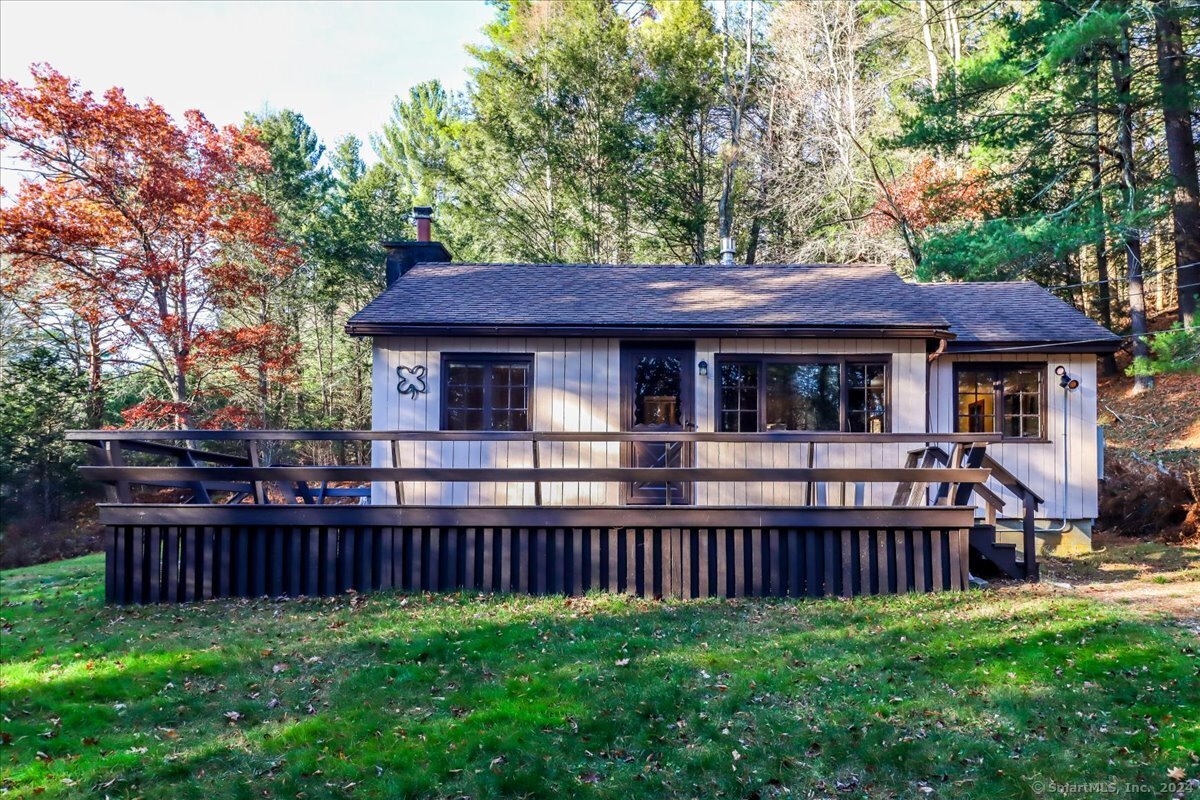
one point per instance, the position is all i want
(1064, 525)
(941, 348)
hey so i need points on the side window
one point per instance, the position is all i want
(486, 393)
(1002, 399)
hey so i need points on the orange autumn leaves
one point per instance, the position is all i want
(129, 219)
(932, 193)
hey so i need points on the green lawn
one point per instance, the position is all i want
(983, 694)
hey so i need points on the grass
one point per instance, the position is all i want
(986, 694)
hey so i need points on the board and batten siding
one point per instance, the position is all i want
(1070, 420)
(906, 404)
(577, 388)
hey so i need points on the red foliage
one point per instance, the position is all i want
(131, 218)
(156, 414)
(931, 194)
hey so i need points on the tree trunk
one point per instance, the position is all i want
(95, 398)
(1122, 80)
(930, 53)
(736, 97)
(1108, 362)
(1181, 152)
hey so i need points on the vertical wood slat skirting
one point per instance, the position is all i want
(170, 564)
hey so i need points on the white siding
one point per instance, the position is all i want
(577, 388)
(1040, 465)
(906, 403)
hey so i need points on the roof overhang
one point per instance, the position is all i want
(1016, 348)
(652, 331)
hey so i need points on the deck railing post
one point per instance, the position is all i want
(1032, 571)
(260, 494)
(537, 463)
(117, 459)
(396, 463)
(809, 461)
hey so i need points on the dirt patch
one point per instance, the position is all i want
(1148, 577)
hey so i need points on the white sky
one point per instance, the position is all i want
(338, 64)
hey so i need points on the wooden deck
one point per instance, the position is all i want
(239, 527)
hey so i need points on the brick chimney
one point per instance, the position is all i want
(404, 255)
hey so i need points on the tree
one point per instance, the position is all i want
(738, 80)
(1122, 71)
(1179, 97)
(419, 140)
(40, 397)
(139, 219)
(678, 104)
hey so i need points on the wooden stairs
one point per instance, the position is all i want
(988, 556)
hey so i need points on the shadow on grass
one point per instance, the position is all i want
(497, 697)
(1116, 559)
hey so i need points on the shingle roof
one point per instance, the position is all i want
(513, 295)
(1013, 312)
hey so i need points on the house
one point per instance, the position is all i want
(794, 429)
(842, 348)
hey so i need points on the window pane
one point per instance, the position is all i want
(1033, 427)
(865, 390)
(486, 395)
(658, 384)
(473, 397)
(1023, 403)
(739, 397)
(976, 401)
(803, 397)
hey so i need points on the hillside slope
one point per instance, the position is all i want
(1152, 458)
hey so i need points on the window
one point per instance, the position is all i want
(486, 392)
(778, 393)
(1001, 399)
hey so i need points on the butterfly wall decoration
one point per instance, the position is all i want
(412, 381)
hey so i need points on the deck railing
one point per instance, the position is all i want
(231, 522)
(243, 478)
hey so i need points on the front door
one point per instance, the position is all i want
(657, 395)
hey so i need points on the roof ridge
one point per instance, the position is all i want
(852, 264)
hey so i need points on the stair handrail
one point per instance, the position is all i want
(1030, 500)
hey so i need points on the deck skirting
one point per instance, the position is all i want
(823, 552)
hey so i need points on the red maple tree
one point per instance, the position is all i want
(129, 217)
(931, 194)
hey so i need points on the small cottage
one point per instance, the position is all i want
(668, 431)
(845, 349)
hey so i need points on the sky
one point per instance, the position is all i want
(339, 64)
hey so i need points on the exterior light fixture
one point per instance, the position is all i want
(1065, 380)
(703, 365)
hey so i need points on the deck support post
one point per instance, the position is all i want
(1032, 571)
